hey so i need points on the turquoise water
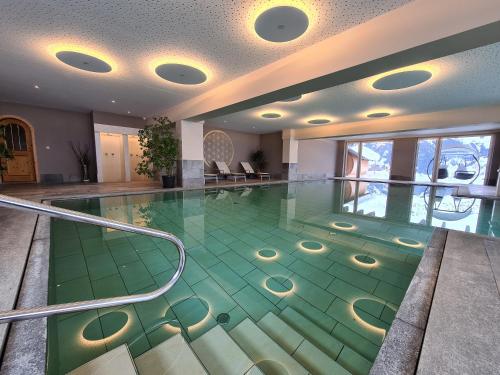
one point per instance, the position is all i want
(340, 254)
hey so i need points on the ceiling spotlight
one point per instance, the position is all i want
(271, 115)
(318, 121)
(144, 118)
(129, 112)
(113, 101)
(281, 24)
(378, 114)
(37, 87)
(181, 73)
(83, 61)
(292, 99)
(402, 80)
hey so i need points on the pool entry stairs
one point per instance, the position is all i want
(285, 344)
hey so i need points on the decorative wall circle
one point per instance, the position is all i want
(402, 80)
(83, 61)
(217, 146)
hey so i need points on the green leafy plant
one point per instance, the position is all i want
(5, 153)
(259, 160)
(159, 148)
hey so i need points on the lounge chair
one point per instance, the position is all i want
(225, 171)
(249, 170)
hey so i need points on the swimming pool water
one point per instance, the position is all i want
(342, 254)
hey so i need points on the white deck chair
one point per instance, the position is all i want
(224, 170)
(249, 170)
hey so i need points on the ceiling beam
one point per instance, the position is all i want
(471, 117)
(419, 31)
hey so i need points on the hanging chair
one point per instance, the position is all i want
(462, 173)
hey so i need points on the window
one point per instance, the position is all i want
(376, 158)
(424, 166)
(453, 160)
(15, 136)
(368, 160)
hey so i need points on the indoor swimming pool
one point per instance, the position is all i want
(328, 258)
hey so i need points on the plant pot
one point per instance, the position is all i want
(168, 181)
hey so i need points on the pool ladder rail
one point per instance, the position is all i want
(61, 213)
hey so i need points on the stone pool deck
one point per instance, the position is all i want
(448, 322)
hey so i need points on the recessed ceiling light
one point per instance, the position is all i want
(144, 118)
(281, 24)
(292, 99)
(378, 114)
(83, 61)
(402, 80)
(318, 121)
(225, 120)
(129, 112)
(181, 74)
(271, 115)
(37, 87)
(113, 101)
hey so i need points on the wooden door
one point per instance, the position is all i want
(19, 140)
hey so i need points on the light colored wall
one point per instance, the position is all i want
(272, 145)
(316, 158)
(191, 134)
(244, 144)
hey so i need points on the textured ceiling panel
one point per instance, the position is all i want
(470, 78)
(216, 35)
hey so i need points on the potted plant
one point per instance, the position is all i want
(5, 153)
(159, 151)
(259, 160)
(83, 156)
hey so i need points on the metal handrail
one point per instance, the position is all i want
(61, 213)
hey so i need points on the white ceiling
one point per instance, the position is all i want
(216, 34)
(470, 78)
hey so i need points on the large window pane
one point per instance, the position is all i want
(351, 160)
(424, 165)
(464, 160)
(376, 159)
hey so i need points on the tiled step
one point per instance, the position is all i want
(173, 357)
(308, 355)
(116, 361)
(262, 350)
(220, 354)
(342, 354)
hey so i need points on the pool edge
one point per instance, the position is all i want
(401, 348)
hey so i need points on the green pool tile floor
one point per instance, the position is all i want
(314, 270)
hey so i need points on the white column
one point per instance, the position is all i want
(290, 157)
(98, 156)
(498, 183)
(190, 165)
(126, 157)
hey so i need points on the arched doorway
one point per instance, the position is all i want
(19, 140)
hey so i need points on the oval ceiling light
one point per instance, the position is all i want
(271, 115)
(318, 121)
(181, 73)
(378, 114)
(292, 99)
(83, 61)
(402, 80)
(281, 24)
